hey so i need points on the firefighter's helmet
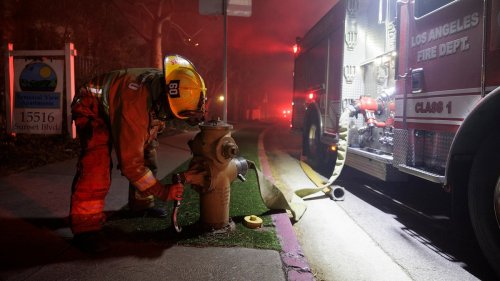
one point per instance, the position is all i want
(185, 88)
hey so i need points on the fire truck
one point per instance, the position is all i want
(421, 82)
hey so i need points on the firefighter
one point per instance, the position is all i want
(126, 110)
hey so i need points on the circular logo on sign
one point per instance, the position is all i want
(38, 76)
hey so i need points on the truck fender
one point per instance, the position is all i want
(480, 123)
(483, 120)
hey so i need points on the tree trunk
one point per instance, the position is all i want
(156, 52)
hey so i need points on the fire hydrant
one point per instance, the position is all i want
(216, 151)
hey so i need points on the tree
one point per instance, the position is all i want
(170, 27)
(149, 18)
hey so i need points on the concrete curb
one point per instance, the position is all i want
(295, 263)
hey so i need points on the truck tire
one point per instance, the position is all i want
(311, 144)
(484, 200)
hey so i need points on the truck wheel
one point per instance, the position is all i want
(484, 200)
(311, 144)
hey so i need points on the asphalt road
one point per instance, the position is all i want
(381, 231)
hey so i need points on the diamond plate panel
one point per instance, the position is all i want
(401, 147)
(425, 150)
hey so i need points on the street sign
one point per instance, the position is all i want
(239, 8)
(236, 8)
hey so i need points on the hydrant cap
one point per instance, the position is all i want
(253, 221)
(215, 125)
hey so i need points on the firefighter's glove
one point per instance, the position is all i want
(166, 193)
(175, 191)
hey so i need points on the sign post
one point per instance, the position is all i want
(238, 8)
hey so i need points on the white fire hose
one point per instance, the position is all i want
(339, 164)
(274, 198)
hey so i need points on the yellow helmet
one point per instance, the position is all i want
(186, 90)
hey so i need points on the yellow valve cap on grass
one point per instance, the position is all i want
(253, 221)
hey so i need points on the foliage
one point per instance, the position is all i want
(46, 24)
(25, 152)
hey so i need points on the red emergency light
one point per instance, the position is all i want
(296, 48)
(311, 96)
(286, 113)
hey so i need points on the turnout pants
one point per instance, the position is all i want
(93, 177)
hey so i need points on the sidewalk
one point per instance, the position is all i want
(35, 238)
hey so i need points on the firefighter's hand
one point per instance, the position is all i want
(166, 193)
(175, 191)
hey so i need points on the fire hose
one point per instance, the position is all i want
(339, 164)
(274, 198)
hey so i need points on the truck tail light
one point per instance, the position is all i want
(296, 49)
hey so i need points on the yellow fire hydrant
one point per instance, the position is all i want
(216, 151)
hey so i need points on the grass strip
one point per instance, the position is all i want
(245, 200)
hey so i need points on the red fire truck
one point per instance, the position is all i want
(421, 81)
